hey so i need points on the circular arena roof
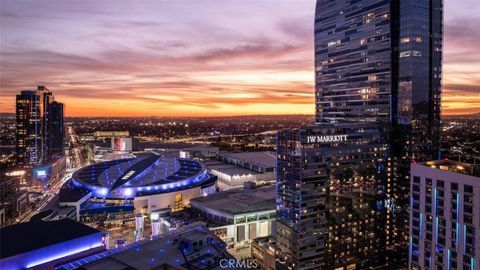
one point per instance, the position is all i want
(139, 176)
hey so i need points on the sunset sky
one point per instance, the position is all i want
(192, 58)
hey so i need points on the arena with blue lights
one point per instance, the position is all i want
(141, 176)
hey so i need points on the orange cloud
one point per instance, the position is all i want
(229, 59)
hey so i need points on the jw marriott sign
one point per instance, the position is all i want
(327, 138)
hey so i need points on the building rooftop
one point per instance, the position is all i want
(160, 253)
(200, 147)
(454, 166)
(71, 194)
(28, 92)
(266, 159)
(239, 201)
(264, 239)
(42, 215)
(146, 174)
(36, 234)
(229, 169)
(193, 235)
(106, 155)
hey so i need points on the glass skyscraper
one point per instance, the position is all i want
(28, 129)
(46, 98)
(330, 212)
(352, 61)
(56, 129)
(416, 114)
(39, 127)
(377, 71)
(379, 61)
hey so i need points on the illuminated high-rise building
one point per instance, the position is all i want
(377, 71)
(330, 211)
(444, 217)
(29, 140)
(379, 62)
(46, 98)
(56, 128)
(39, 127)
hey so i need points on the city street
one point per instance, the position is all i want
(75, 160)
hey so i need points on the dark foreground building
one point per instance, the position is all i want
(66, 245)
(192, 247)
(41, 245)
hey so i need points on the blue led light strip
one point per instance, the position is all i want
(411, 244)
(64, 253)
(421, 224)
(457, 234)
(448, 259)
(410, 249)
(435, 214)
(458, 219)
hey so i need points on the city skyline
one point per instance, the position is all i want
(154, 59)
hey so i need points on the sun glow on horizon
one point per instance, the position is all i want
(155, 59)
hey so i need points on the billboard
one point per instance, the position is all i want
(41, 173)
(121, 144)
(52, 171)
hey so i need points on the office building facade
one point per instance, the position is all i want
(39, 127)
(46, 98)
(28, 135)
(56, 129)
(415, 134)
(379, 62)
(444, 219)
(330, 211)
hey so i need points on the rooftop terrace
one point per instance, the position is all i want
(454, 166)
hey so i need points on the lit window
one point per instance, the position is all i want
(405, 54)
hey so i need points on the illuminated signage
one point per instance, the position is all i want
(154, 216)
(327, 138)
(15, 173)
(41, 173)
(61, 253)
(130, 173)
(121, 144)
